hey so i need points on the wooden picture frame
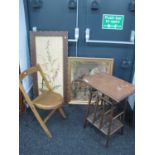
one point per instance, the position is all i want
(50, 50)
(77, 68)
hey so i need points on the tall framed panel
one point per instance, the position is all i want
(50, 50)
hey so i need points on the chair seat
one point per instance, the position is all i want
(48, 100)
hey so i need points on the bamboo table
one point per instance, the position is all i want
(111, 91)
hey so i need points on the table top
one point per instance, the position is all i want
(115, 88)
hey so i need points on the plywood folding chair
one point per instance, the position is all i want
(48, 100)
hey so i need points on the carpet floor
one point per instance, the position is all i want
(69, 137)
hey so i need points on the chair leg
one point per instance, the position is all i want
(41, 122)
(61, 111)
(49, 115)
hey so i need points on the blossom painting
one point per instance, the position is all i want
(51, 61)
(49, 53)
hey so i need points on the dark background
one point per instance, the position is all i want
(55, 15)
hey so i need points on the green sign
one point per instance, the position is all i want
(114, 22)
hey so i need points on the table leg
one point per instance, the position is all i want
(110, 124)
(123, 117)
(102, 114)
(87, 113)
(96, 106)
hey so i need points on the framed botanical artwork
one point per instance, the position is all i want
(50, 50)
(77, 68)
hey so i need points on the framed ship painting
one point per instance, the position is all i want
(77, 68)
(50, 50)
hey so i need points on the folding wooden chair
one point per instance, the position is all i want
(48, 100)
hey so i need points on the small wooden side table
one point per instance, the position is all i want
(111, 92)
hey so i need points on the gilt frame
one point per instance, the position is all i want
(74, 71)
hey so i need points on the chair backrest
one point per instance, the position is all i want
(27, 72)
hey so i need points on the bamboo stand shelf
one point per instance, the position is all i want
(116, 124)
(104, 113)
